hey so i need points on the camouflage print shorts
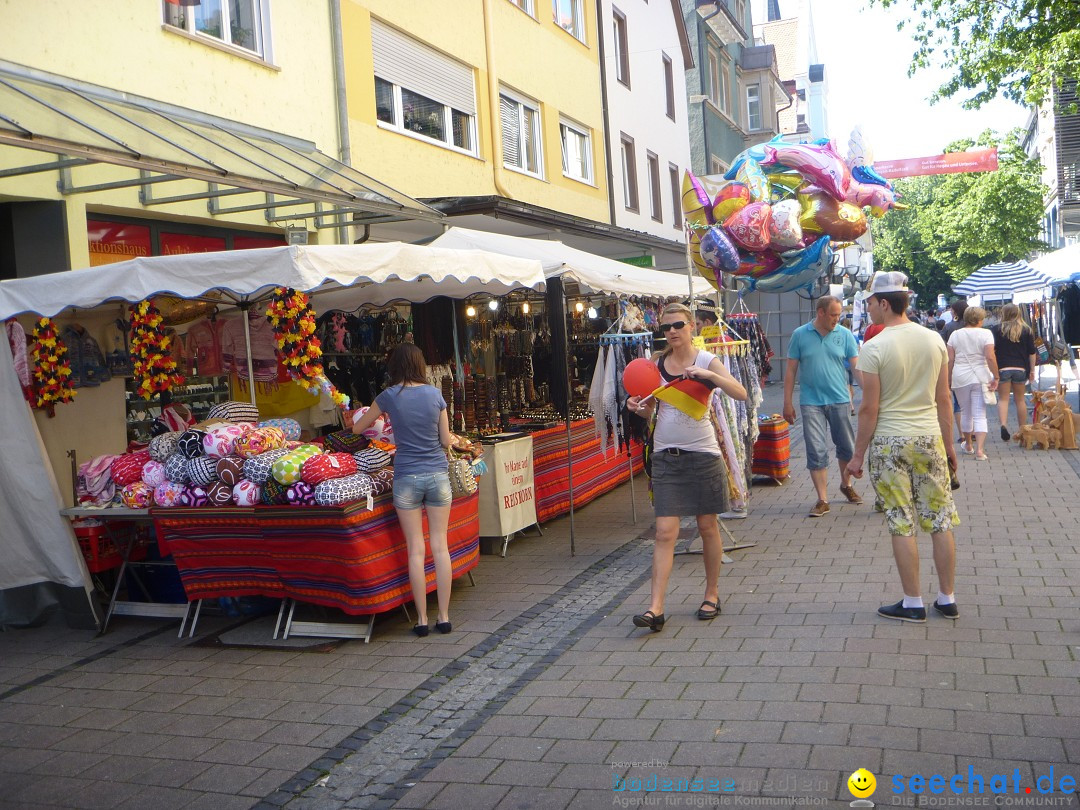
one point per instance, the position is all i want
(910, 475)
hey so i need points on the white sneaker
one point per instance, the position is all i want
(739, 514)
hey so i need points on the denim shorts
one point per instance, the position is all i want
(818, 422)
(1013, 375)
(424, 489)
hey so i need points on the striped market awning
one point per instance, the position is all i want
(999, 281)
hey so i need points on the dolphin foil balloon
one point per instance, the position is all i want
(818, 163)
(801, 268)
(880, 199)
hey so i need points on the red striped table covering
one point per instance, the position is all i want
(594, 473)
(772, 450)
(342, 557)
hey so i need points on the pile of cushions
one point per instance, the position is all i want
(244, 463)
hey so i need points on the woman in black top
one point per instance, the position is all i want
(1015, 350)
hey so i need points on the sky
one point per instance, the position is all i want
(866, 61)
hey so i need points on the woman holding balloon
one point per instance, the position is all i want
(688, 472)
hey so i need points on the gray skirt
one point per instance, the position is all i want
(689, 484)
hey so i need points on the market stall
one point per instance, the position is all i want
(336, 276)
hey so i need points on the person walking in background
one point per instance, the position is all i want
(422, 435)
(1014, 350)
(972, 368)
(688, 472)
(905, 413)
(816, 354)
(957, 308)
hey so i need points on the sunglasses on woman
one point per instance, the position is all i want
(667, 327)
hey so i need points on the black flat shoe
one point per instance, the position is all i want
(903, 614)
(708, 610)
(444, 627)
(650, 620)
(421, 630)
(1005, 434)
(948, 611)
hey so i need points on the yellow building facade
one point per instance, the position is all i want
(517, 59)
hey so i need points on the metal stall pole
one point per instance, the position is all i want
(560, 379)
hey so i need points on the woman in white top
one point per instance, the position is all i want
(972, 365)
(688, 472)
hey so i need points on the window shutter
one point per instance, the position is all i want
(410, 64)
(511, 130)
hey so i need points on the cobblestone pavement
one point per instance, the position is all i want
(545, 695)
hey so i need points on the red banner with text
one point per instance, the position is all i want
(979, 160)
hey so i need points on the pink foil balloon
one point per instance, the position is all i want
(749, 226)
(785, 232)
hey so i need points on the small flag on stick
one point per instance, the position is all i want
(689, 396)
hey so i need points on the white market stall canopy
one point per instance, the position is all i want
(342, 276)
(1062, 267)
(595, 275)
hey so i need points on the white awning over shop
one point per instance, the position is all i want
(594, 275)
(342, 276)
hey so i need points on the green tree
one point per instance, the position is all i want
(958, 223)
(1018, 48)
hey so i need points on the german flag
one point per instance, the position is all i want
(689, 396)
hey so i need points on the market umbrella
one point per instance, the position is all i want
(1002, 279)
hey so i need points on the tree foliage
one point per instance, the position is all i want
(958, 223)
(1018, 48)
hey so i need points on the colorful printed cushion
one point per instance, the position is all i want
(380, 428)
(169, 494)
(259, 469)
(338, 491)
(259, 440)
(153, 474)
(301, 494)
(163, 446)
(221, 441)
(246, 493)
(190, 443)
(325, 466)
(345, 441)
(176, 469)
(219, 494)
(230, 470)
(382, 481)
(194, 496)
(274, 493)
(287, 468)
(202, 471)
(127, 469)
(371, 459)
(234, 412)
(137, 495)
(290, 427)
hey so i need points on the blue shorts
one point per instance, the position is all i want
(818, 422)
(1013, 375)
(424, 489)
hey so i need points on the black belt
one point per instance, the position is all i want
(678, 451)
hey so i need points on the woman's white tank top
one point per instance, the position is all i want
(675, 429)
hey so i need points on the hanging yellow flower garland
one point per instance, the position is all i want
(151, 351)
(51, 371)
(298, 349)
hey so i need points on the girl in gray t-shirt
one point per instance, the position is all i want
(417, 412)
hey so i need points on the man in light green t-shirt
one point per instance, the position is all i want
(906, 410)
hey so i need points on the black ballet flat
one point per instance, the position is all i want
(444, 627)
(421, 630)
(650, 620)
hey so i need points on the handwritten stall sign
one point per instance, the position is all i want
(507, 494)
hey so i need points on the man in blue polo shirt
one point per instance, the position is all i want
(816, 353)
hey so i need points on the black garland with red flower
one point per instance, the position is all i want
(151, 351)
(49, 382)
(298, 349)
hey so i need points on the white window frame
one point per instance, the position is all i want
(528, 6)
(537, 132)
(716, 165)
(398, 124)
(756, 87)
(656, 193)
(669, 85)
(675, 177)
(631, 192)
(565, 126)
(183, 19)
(740, 12)
(719, 79)
(577, 15)
(621, 35)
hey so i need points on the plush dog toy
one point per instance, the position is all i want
(1035, 435)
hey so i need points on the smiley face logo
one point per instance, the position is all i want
(861, 783)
